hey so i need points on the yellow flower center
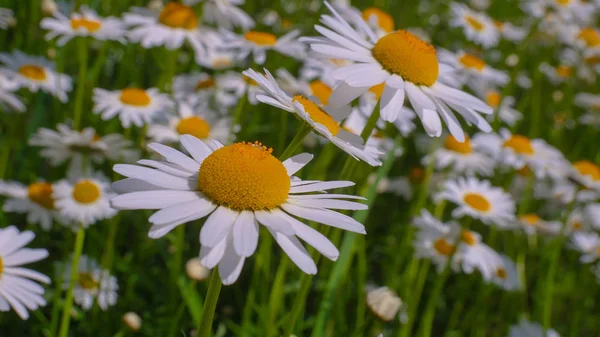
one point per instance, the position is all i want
(194, 126)
(563, 2)
(384, 20)
(443, 247)
(472, 62)
(86, 192)
(590, 36)
(477, 201)
(592, 60)
(244, 176)
(576, 226)
(474, 23)
(468, 238)
(321, 91)
(176, 15)
(205, 84)
(318, 115)
(222, 62)
(89, 25)
(33, 72)
(519, 144)
(377, 90)
(41, 194)
(493, 98)
(1, 266)
(501, 273)
(407, 56)
(587, 168)
(260, 38)
(564, 71)
(135, 97)
(499, 24)
(530, 219)
(454, 145)
(86, 281)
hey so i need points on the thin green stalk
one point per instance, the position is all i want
(299, 303)
(237, 115)
(371, 123)
(296, 142)
(210, 303)
(414, 299)
(66, 315)
(276, 296)
(283, 121)
(82, 50)
(432, 301)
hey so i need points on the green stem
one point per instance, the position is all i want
(299, 303)
(210, 303)
(237, 115)
(66, 315)
(296, 142)
(83, 60)
(371, 123)
(432, 301)
(414, 299)
(276, 296)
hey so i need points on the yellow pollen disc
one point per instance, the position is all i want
(86, 281)
(86, 192)
(244, 176)
(590, 36)
(317, 114)
(443, 247)
(96, 137)
(33, 72)
(563, 2)
(222, 62)
(407, 56)
(135, 97)
(194, 126)
(205, 84)
(597, 252)
(493, 99)
(519, 144)
(89, 25)
(176, 15)
(321, 91)
(587, 168)
(472, 62)
(530, 219)
(468, 238)
(260, 38)
(454, 145)
(564, 71)
(384, 20)
(1, 266)
(576, 226)
(592, 60)
(477, 201)
(416, 175)
(474, 23)
(498, 24)
(501, 273)
(41, 194)
(377, 89)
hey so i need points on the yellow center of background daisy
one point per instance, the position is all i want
(205, 84)
(176, 15)
(587, 168)
(244, 176)
(564, 71)
(194, 126)
(377, 90)
(407, 56)
(474, 23)
(321, 91)
(443, 247)
(135, 97)
(519, 144)
(89, 25)
(493, 99)
(33, 72)
(498, 24)
(384, 20)
(454, 145)
(530, 219)
(576, 226)
(563, 2)
(86, 192)
(590, 36)
(318, 115)
(501, 273)
(260, 38)
(41, 194)
(592, 60)
(222, 62)
(86, 281)
(468, 238)
(1, 265)
(472, 62)
(477, 201)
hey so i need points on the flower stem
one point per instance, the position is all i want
(295, 143)
(83, 60)
(66, 315)
(210, 303)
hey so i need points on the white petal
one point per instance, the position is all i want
(230, 265)
(274, 222)
(179, 211)
(320, 186)
(175, 157)
(391, 102)
(195, 147)
(245, 234)
(217, 226)
(152, 199)
(295, 163)
(343, 94)
(153, 176)
(294, 249)
(326, 217)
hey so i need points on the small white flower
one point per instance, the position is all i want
(533, 224)
(93, 285)
(460, 158)
(530, 329)
(470, 69)
(507, 275)
(225, 13)
(477, 26)
(223, 90)
(384, 303)
(586, 173)
(34, 200)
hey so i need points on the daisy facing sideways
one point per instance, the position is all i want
(588, 244)
(18, 289)
(470, 69)
(93, 284)
(236, 187)
(258, 43)
(323, 120)
(477, 26)
(587, 174)
(35, 200)
(407, 65)
(461, 158)
(222, 90)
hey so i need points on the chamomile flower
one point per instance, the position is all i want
(480, 200)
(323, 120)
(435, 241)
(236, 187)
(258, 43)
(503, 106)
(381, 22)
(224, 90)
(507, 275)
(472, 69)
(581, 37)
(526, 328)
(34, 200)
(406, 65)
(7, 18)
(591, 103)
(559, 74)
(588, 244)
(83, 198)
(93, 285)
(202, 124)
(217, 59)
(509, 31)
(35, 73)
(461, 158)
(476, 255)
(18, 289)
(532, 224)
(225, 13)
(586, 173)
(132, 105)
(8, 100)
(86, 22)
(477, 26)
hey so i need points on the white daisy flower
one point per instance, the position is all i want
(18, 289)
(93, 285)
(201, 123)
(503, 106)
(588, 244)
(480, 200)
(557, 75)
(461, 158)
(132, 105)
(8, 100)
(84, 199)
(225, 13)
(586, 173)
(236, 187)
(579, 220)
(406, 65)
(530, 329)
(507, 275)
(86, 22)
(223, 89)
(532, 224)
(477, 26)
(476, 255)
(35, 73)
(323, 120)
(258, 43)
(34, 200)
(436, 241)
(7, 18)
(217, 59)
(171, 27)
(591, 103)
(581, 37)
(471, 70)
(509, 31)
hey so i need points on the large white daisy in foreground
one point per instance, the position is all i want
(236, 187)
(406, 64)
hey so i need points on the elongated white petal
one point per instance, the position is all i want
(217, 226)
(295, 163)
